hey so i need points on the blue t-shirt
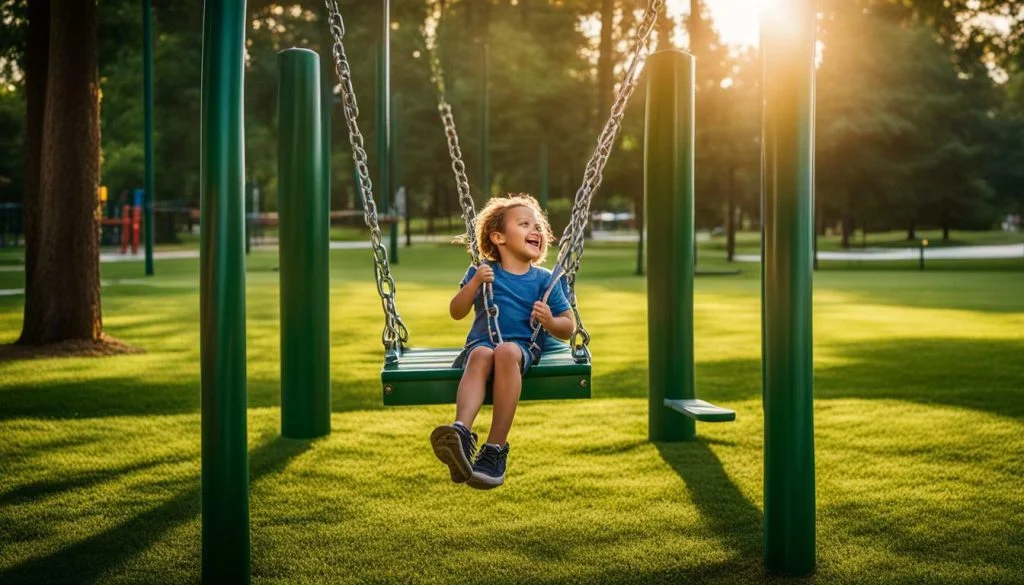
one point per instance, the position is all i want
(515, 294)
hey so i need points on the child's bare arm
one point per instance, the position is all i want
(462, 302)
(561, 325)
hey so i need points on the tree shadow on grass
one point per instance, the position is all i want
(88, 560)
(41, 489)
(979, 374)
(138, 396)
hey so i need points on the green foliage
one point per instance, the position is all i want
(911, 126)
(12, 140)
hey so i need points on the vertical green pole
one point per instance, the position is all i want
(398, 164)
(304, 227)
(225, 462)
(147, 83)
(485, 126)
(668, 190)
(787, 191)
(544, 187)
(384, 127)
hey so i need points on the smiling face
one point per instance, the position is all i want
(523, 235)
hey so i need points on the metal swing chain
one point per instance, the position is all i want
(570, 251)
(395, 334)
(430, 29)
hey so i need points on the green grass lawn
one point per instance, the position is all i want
(919, 437)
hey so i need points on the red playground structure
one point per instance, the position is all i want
(128, 224)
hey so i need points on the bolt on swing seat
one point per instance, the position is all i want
(426, 376)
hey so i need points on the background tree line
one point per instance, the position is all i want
(920, 118)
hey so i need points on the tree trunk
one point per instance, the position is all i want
(911, 232)
(36, 56)
(666, 26)
(693, 27)
(730, 223)
(62, 296)
(945, 226)
(605, 60)
(847, 231)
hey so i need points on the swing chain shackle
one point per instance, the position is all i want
(395, 334)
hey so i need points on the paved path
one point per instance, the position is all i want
(952, 253)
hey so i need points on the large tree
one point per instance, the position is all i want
(62, 286)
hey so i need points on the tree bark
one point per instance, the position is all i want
(38, 44)
(605, 60)
(62, 291)
(911, 232)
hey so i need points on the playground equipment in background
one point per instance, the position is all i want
(125, 219)
(787, 193)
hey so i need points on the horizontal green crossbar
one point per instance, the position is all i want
(426, 376)
(701, 410)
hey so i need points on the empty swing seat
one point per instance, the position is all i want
(426, 376)
(700, 410)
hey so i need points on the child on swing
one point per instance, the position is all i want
(513, 237)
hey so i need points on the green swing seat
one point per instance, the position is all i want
(426, 376)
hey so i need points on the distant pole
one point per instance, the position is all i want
(225, 460)
(669, 142)
(398, 167)
(147, 83)
(787, 191)
(544, 193)
(485, 125)
(640, 214)
(303, 250)
(384, 128)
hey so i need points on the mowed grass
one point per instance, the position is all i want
(919, 437)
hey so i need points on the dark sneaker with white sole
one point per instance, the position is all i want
(454, 445)
(489, 467)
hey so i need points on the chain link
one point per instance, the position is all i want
(430, 32)
(395, 334)
(570, 248)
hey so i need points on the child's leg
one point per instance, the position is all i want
(473, 385)
(508, 383)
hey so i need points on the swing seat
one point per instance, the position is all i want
(700, 410)
(426, 376)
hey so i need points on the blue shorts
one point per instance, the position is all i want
(463, 357)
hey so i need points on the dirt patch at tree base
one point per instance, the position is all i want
(105, 346)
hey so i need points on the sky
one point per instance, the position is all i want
(736, 20)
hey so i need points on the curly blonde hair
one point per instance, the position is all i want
(492, 219)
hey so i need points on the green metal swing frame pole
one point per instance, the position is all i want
(147, 85)
(384, 127)
(225, 462)
(398, 166)
(304, 233)
(668, 187)
(787, 192)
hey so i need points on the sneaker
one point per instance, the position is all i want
(489, 468)
(454, 446)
